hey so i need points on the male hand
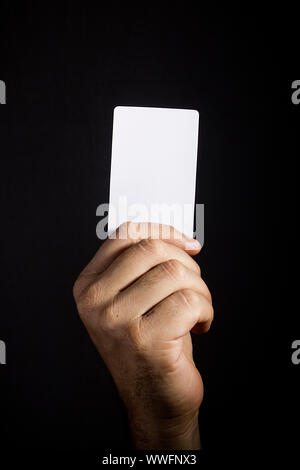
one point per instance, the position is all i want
(139, 298)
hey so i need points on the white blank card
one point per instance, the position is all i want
(153, 167)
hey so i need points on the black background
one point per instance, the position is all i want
(66, 66)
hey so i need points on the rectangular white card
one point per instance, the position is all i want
(153, 167)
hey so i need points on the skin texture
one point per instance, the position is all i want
(139, 298)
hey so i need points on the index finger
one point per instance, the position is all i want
(131, 233)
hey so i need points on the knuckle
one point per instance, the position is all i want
(211, 314)
(174, 268)
(210, 319)
(151, 245)
(76, 289)
(206, 292)
(91, 294)
(190, 297)
(207, 310)
(89, 298)
(198, 269)
(136, 336)
(107, 319)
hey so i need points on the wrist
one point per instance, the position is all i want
(178, 433)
